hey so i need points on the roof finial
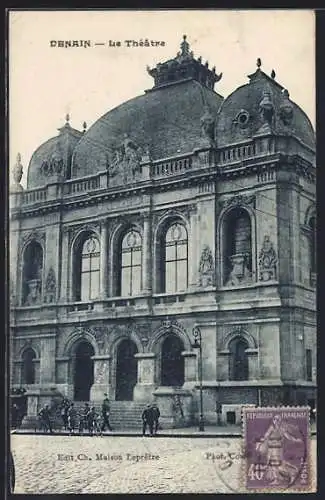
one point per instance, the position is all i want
(273, 74)
(185, 47)
(258, 62)
(67, 117)
(84, 125)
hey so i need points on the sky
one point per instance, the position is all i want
(46, 83)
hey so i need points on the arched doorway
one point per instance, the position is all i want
(126, 370)
(83, 374)
(172, 362)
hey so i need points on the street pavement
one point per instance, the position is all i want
(124, 464)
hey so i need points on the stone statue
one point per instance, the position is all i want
(207, 125)
(17, 173)
(50, 287)
(239, 274)
(266, 107)
(267, 261)
(286, 109)
(206, 268)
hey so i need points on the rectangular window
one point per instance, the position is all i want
(85, 281)
(170, 277)
(309, 365)
(136, 280)
(94, 285)
(126, 281)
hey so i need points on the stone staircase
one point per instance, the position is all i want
(123, 414)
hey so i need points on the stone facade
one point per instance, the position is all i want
(260, 319)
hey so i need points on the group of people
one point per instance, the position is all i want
(88, 419)
(150, 418)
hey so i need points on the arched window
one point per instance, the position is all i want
(237, 265)
(32, 274)
(28, 366)
(130, 264)
(175, 269)
(238, 361)
(87, 269)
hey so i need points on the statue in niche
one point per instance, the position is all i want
(267, 261)
(239, 274)
(206, 268)
(50, 287)
(34, 292)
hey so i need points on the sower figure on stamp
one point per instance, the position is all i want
(272, 445)
(44, 415)
(156, 415)
(148, 420)
(105, 414)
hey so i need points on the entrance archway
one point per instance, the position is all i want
(172, 361)
(83, 374)
(126, 370)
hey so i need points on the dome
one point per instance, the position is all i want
(52, 160)
(163, 122)
(259, 106)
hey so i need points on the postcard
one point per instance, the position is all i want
(162, 268)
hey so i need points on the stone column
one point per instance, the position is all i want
(146, 376)
(103, 260)
(47, 360)
(190, 368)
(65, 257)
(101, 383)
(146, 259)
(192, 252)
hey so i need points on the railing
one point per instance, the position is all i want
(81, 185)
(34, 196)
(238, 153)
(81, 306)
(171, 167)
(169, 299)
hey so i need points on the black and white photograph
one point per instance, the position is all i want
(162, 251)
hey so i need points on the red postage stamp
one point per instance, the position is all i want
(276, 449)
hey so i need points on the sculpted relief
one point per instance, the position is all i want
(124, 165)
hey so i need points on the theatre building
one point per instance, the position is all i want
(177, 211)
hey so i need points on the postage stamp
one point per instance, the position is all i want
(277, 449)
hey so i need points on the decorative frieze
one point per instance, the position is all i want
(237, 201)
(32, 235)
(267, 261)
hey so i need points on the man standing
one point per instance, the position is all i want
(92, 417)
(147, 419)
(156, 415)
(72, 417)
(105, 414)
(83, 422)
(44, 414)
